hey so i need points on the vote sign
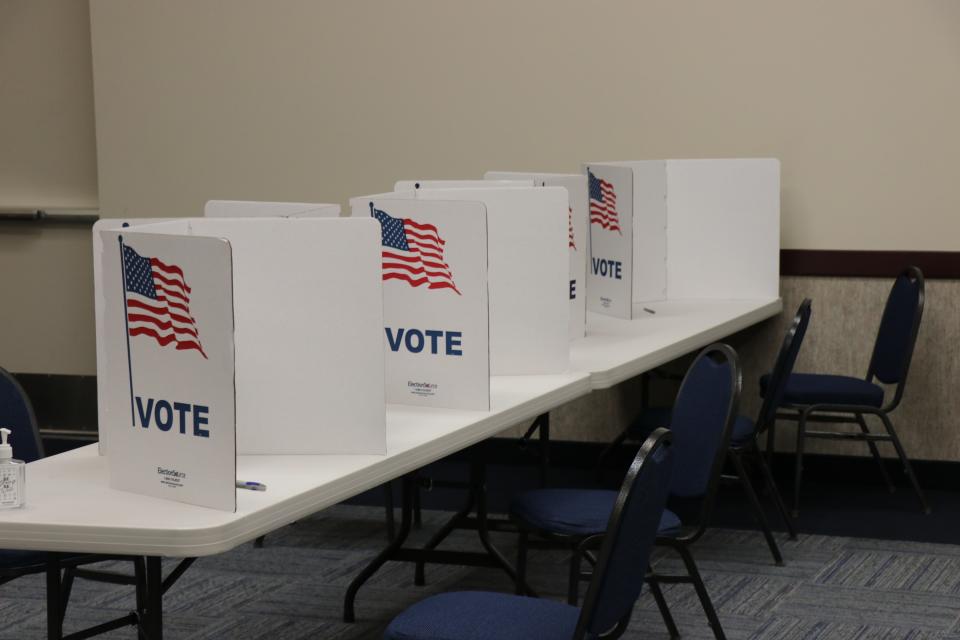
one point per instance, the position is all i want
(168, 393)
(435, 309)
(610, 270)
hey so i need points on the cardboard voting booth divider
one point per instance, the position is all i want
(578, 236)
(255, 209)
(410, 185)
(305, 323)
(171, 388)
(434, 270)
(682, 229)
(527, 230)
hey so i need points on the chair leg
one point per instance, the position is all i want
(904, 461)
(701, 590)
(573, 584)
(775, 493)
(388, 506)
(668, 620)
(798, 465)
(875, 453)
(757, 507)
(522, 540)
(771, 442)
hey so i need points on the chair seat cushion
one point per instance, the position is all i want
(574, 512)
(743, 429)
(479, 615)
(817, 388)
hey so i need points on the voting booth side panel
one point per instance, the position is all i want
(169, 396)
(527, 273)
(723, 235)
(105, 224)
(309, 334)
(434, 271)
(578, 239)
(610, 269)
(413, 185)
(254, 209)
(650, 228)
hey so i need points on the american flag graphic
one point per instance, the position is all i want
(158, 302)
(603, 204)
(573, 245)
(413, 252)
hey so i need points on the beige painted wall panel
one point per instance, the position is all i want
(319, 101)
(47, 159)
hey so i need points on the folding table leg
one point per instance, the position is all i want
(152, 624)
(54, 598)
(406, 509)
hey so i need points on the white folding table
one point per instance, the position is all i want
(70, 507)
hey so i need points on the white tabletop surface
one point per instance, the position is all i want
(70, 506)
(615, 350)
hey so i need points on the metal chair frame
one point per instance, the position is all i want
(583, 547)
(854, 414)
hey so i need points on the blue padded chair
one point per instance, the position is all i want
(16, 413)
(624, 542)
(846, 400)
(743, 441)
(703, 420)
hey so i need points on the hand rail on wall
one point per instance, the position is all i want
(49, 216)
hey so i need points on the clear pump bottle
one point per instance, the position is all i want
(13, 476)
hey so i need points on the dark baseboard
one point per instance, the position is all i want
(62, 402)
(868, 264)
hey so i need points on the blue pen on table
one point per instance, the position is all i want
(252, 486)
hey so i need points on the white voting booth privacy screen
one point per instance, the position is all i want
(578, 236)
(682, 229)
(527, 230)
(169, 395)
(255, 209)
(434, 270)
(306, 322)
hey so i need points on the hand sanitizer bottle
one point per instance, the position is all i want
(13, 476)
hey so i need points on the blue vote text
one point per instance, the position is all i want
(607, 268)
(180, 416)
(435, 341)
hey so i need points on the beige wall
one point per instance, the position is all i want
(326, 100)
(47, 159)
(306, 100)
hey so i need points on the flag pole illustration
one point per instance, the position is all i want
(413, 252)
(126, 323)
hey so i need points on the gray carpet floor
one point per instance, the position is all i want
(830, 588)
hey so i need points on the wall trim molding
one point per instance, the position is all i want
(868, 264)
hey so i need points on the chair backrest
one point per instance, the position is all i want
(897, 334)
(16, 414)
(625, 554)
(783, 367)
(702, 421)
